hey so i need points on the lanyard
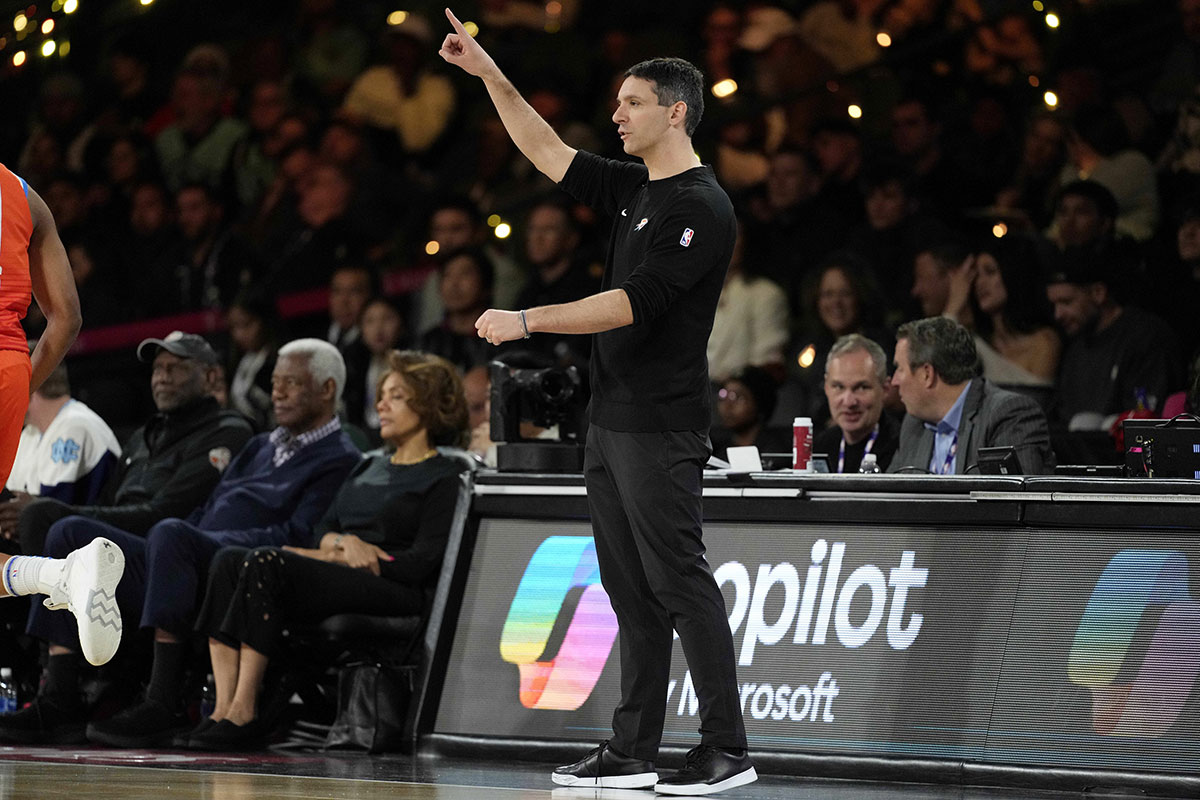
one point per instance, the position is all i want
(867, 449)
(945, 470)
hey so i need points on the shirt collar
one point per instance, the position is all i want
(950, 422)
(287, 442)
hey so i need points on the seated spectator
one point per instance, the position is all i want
(842, 298)
(953, 412)
(745, 404)
(404, 97)
(889, 238)
(382, 332)
(216, 263)
(272, 493)
(1085, 215)
(1002, 293)
(838, 149)
(66, 451)
(1100, 150)
(167, 467)
(457, 224)
(1118, 358)
(199, 145)
(149, 253)
(465, 286)
(788, 232)
(559, 275)
(933, 267)
(937, 184)
(1034, 187)
(377, 550)
(751, 325)
(856, 382)
(253, 324)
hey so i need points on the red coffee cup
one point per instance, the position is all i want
(802, 432)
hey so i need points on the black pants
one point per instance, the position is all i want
(253, 595)
(644, 497)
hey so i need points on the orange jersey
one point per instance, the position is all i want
(16, 288)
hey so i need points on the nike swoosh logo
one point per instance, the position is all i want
(623, 212)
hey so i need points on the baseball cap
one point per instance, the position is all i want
(1082, 265)
(178, 343)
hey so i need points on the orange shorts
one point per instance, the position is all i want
(15, 372)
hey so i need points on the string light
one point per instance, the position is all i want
(503, 230)
(493, 220)
(48, 47)
(1051, 99)
(397, 18)
(1037, 5)
(884, 39)
(19, 22)
(471, 28)
(145, 2)
(999, 229)
(47, 26)
(1052, 20)
(855, 112)
(807, 356)
(724, 88)
(432, 247)
(64, 48)
(70, 6)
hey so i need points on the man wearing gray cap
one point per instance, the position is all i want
(168, 466)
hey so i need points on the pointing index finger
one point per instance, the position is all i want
(458, 26)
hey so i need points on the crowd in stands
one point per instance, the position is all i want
(331, 155)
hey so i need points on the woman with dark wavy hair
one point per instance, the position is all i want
(377, 550)
(1004, 294)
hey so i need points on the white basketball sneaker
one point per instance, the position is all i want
(88, 588)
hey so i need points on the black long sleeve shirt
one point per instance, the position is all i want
(404, 509)
(670, 246)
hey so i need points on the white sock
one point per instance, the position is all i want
(32, 574)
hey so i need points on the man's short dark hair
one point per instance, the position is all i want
(947, 252)
(944, 345)
(1104, 200)
(674, 80)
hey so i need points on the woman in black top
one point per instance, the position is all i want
(377, 550)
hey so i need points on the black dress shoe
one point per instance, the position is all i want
(708, 770)
(148, 724)
(183, 739)
(45, 722)
(605, 767)
(227, 737)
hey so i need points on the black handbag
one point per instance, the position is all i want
(372, 706)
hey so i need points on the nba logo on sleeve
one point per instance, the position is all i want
(686, 239)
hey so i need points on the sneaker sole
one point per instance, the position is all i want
(642, 780)
(741, 779)
(97, 612)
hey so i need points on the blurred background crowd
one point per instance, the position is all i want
(259, 171)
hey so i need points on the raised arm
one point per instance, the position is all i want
(536, 139)
(54, 290)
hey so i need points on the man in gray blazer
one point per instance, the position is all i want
(953, 412)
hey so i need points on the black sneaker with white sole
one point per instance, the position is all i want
(708, 770)
(606, 768)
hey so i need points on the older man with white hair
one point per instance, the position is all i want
(272, 493)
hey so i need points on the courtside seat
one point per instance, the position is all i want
(322, 651)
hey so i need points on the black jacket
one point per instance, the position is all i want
(170, 465)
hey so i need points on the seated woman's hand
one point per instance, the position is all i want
(361, 555)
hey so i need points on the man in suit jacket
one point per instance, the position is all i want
(952, 412)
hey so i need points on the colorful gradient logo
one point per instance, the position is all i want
(1149, 702)
(562, 679)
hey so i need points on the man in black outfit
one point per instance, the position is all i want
(671, 241)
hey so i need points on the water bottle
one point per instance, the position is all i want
(869, 465)
(208, 697)
(8, 691)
